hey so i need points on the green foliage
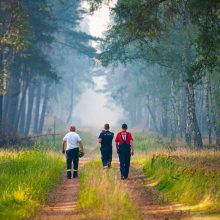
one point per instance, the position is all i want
(102, 196)
(151, 26)
(26, 178)
(13, 26)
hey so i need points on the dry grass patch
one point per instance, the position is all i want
(102, 196)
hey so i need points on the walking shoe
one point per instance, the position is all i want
(122, 178)
(69, 177)
(75, 174)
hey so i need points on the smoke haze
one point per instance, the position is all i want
(96, 108)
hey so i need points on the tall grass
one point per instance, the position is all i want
(146, 142)
(25, 179)
(102, 195)
(187, 177)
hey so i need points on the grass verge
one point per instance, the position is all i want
(102, 195)
(25, 178)
(187, 177)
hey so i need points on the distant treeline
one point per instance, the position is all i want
(40, 54)
(168, 58)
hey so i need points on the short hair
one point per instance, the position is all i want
(106, 126)
(72, 128)
(124, 126)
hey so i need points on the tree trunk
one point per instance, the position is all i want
(193, 131)
(201, 108)
(1, 87)
(153, 116)
(22, 118)
(164, 126)
(71, 103)
(217, 134)
(173, 111)
(181, 114)
(29, 109)
(44, 107)
(22, 102)
(207, 107)
(37, 109)
(13, 100)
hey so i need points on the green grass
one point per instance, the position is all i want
(25, 179)
(146, 142)
(102, 195)
(187, 177)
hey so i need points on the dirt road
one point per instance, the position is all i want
(62, 202)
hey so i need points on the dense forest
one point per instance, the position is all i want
(41, 48)
(166, 56)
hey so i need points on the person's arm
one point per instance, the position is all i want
(100, 138)
(63, 146)
(132, 147)
(81, 146)
(117, 143)
(132, 144)
(117, 147)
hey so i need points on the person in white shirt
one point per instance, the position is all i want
(72, 141)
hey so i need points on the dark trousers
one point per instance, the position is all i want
(72, 157)
(124, 157)
(106, 156)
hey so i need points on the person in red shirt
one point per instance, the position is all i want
(125, 148)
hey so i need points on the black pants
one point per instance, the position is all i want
(106, 155)
(72, 156)
(124, 157)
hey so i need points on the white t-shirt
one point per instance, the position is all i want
(72, 139)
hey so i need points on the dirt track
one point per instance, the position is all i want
(62, 202)
(150, 202)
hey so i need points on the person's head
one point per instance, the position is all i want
(106, 126)
(72, 128)
(124, 127)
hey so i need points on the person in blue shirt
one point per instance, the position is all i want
(105, 139)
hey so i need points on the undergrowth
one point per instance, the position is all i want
(25, 179)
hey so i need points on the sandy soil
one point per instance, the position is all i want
(62, 201)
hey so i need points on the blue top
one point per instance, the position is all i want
(107, 138)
